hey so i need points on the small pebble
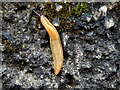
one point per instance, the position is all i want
(103, 10)
(58, 7)
(109, 23)
(96, 15)
(56, 22)
(118, 40)
(89, 33)
(88, 19)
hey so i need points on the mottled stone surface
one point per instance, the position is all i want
(91, 50)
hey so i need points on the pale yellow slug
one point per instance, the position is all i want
(55, 43)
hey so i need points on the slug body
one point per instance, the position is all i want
(55, 43)
(57, 53)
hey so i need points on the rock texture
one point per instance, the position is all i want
(91, 50)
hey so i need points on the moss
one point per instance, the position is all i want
(68, 9)
(81, 7)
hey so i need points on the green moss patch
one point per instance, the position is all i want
(68, 9)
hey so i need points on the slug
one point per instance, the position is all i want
(55, 44)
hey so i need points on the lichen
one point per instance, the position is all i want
(68, 9)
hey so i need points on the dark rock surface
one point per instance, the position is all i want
(91, 50)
